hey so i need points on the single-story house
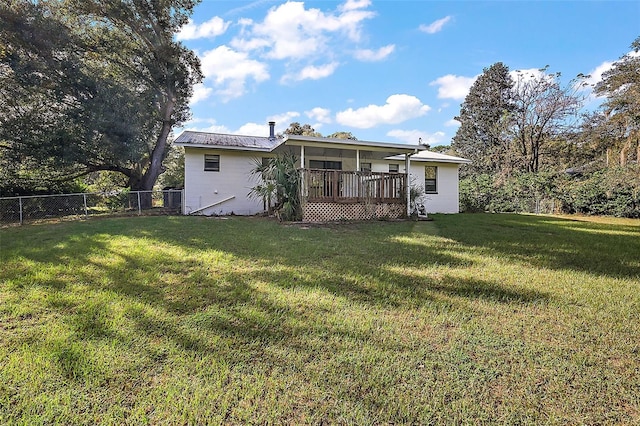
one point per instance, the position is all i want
(341, 178)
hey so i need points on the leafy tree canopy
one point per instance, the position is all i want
(90, 85)
(296, 128)
(484, 119)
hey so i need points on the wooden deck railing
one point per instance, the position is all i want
(353, 187)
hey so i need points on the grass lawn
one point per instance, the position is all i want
(187, 320)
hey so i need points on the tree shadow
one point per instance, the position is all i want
(177, 296)
(551, 242)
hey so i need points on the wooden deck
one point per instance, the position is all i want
(353, 187)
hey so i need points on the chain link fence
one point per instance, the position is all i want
(538, 205)
(28, 209)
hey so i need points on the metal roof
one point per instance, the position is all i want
(435, 157)
(218, 140)
(259, 143)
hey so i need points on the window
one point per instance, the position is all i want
(394, 168)
(325, 165)
(365, 167)
(211, 163)
(431, 179)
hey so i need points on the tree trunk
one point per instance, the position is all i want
(161, 148)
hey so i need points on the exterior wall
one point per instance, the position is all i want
(383, 166)
(233, 180)
(446, 200)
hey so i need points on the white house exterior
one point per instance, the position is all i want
(225, 192)
(218, 176)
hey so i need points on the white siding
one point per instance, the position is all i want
(446, 200)
(233, 180)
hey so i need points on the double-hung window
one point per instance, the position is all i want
(394, 168)
(211, 163)
(431, 179)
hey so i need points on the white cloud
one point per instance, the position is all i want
(452, 123)
(369, 55)
(595, 76)
(312, 72)
(200, 93)
(453, 86)
(262, 129)
(355, 4)
(416, 136)
(284, 119)
(290, 31)
(321, 115)
(249, 129)
(435, 26)
(398, 108)
(212, 28)
(205, 125)
(230, 70)
(253, 129)
(529, 74)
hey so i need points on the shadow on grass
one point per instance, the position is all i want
(550, 242)
(171, 293)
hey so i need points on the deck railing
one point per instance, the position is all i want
(353, 187)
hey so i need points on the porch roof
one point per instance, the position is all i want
(350, 144)
(435, 157)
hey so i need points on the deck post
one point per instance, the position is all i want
(303, 190)
(407, 164)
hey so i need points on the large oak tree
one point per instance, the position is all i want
(92, 85)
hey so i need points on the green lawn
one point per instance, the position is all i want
(184, 320)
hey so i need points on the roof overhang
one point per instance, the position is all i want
(435, 158)
(222, 147)
(352, 145)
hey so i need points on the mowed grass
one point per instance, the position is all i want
(468, 319)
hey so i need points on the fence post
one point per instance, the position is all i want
(139, 207)
(20, 202)
(84, 199)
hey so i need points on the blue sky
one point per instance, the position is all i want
(390, 71)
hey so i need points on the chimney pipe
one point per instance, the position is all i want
(272, 134)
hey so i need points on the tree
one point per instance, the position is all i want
(279, 182)
(484, 119)
(173, 175)
(301, 130)
(41, 81)
(94, 85)
(342, 135)
(162, 70)
(542, 109)
(621, 86)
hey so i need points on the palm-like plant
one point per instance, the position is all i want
(279, 181)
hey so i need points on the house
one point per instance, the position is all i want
(341, 178)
